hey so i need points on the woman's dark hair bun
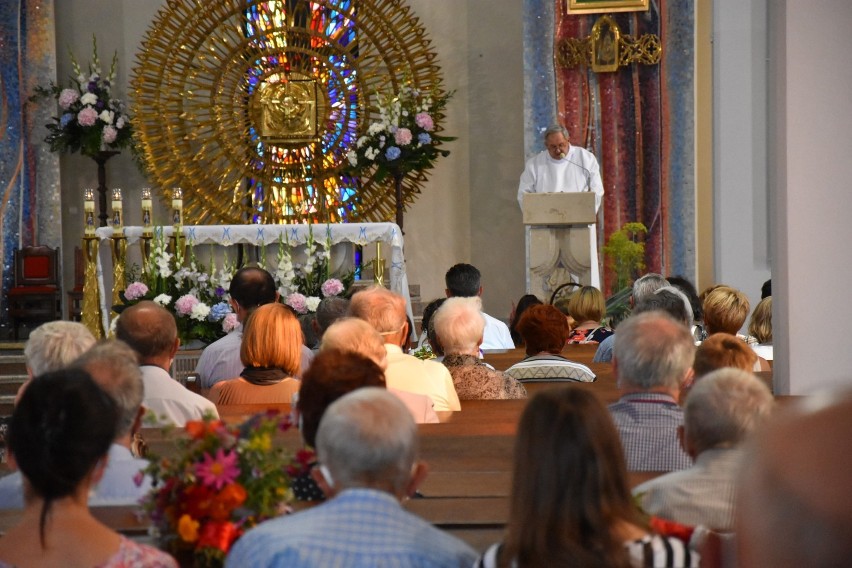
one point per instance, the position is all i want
(62, 426)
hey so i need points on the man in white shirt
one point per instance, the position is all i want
(465, 281)
(563, 168)
(722, 409)
(150, 330)
(385, 312)
(112, 365)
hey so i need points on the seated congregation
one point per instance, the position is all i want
(636, 447)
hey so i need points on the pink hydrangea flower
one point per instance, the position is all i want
(185, 303)
(298, 302)
(109, 134)
(402, 136)
(230, 323)
(135, 291)
(67, 98)
(331, 287)
(87, 117)
(424, 121)
(218, 471)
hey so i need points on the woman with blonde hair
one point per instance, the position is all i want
(571, 502)
(725, 310)
(587, 308)
(271, 351)
(760, 327)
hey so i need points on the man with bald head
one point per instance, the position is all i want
(354, 335)
(795, 497)
(150, 330)
(385, 312)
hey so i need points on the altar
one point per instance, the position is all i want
(213, 242)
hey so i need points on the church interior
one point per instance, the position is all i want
(209, 189)
(728, 148)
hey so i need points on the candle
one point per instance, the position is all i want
(117, 219)
(147, 206)
(89, 211)
(177, 207)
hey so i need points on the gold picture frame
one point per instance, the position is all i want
(601, 6)
(606, 38)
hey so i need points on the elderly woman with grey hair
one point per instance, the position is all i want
(53, 346)
(459, 325)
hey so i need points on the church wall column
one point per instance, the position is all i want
(810, 172)
(741, 229)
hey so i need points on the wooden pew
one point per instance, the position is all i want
(502, 359)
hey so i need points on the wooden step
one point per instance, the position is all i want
(9, 384)
(13, 365)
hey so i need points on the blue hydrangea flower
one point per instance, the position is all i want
(424, 138)
(392, 153)
(66, 119)
(219, 311)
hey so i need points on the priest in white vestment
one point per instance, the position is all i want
(565, 168)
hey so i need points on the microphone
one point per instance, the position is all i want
(588, 174)
(562, 155)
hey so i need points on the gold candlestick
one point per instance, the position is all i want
(89, 212)
(147, 207)
(177, 223)
(91, 309)
(117, 213)
(119, 258)
(379, 266)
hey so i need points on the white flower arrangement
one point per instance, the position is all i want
(404, 138)
(90, 119)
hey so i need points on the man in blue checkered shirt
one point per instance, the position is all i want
(651, 360)
(367, 448)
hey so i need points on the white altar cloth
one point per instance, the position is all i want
(297, 235)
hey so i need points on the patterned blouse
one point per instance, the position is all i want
(475, 380)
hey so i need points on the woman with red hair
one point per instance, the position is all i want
(544, 330)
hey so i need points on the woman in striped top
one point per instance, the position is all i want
(571, 503)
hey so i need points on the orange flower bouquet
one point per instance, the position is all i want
(220, 482)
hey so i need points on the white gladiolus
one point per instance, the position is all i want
(107, 116)
(88, 99)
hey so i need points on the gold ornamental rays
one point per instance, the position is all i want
(251, 106)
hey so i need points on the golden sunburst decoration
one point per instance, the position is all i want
(250, 107)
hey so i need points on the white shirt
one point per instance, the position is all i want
(576, 172)
(496, 334)
(169, 401)
(408, 373)
(703, 494)
(116, 487)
